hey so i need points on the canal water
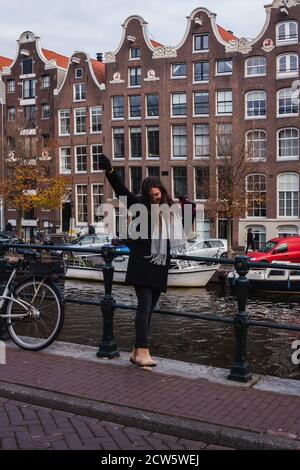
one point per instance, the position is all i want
(192, 340)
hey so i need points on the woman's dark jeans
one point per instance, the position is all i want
(147, 299)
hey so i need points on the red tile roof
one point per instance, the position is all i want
(5, 62)
(155, 43)
(61, 60)
(99, 70)
(226, 35)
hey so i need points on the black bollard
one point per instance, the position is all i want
(108, 346)
(240, 371)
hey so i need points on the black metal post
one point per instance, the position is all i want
(108, 346)
(240, 371)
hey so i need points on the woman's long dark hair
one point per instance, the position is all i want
(153, 182)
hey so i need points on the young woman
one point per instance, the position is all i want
(149, 258)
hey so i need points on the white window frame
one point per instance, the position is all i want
(251, 192)
(172, 181)
(200, 51)
(247, 75)
(78, 77)
(69, 171)
(92, 108)
(221, 74)
(289, 230)
(130, 53)
(91, 157)
(47, 82)
(277, 196)
(289, 158)
(178, 116)
(182, 158)
(129, 142)
(179, 77)
(82, 92)
(147, 142)
(146, 106)
(11, 86)
(198, 92)
(247, 141)
(113, 144)
(294, 93)
(81, 172)
(80, 224)
(75, 126)
(195, 157)
(133, 118)
(43, 109)
(287, 74)
(59, 121)
(139, 74)
(283, 42)
(264, 116)
(92, 199)
(11, 109)
(112, 108)
(217, 102)
(200, 62)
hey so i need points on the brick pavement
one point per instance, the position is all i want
(248, 409)
(24, 426)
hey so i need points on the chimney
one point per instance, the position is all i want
(99, 56)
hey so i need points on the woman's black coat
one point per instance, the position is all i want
(140, 271)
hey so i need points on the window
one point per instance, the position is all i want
(118, 107)
(285, 231)
(288, 195)
(79, 91)
(120, 171)
(256, 188)
(29, 116)
(96, 119)
(287, 103)
(178, 104)
(97, 195)
(288, 144)
(11, 114)
(135, 142)
(11, 86)
(135, 106)
(153, 171)
(224, 103)
(45, 81)
(224, 67)
(256, 67)
(118, 142)
(29, 88)
(27, 66)
(64, 122)
(179, 70)
(259, 235)
(152, 106)
(81, 203)
(65, 160)
(201, 103)
(136, 179)
(179, 181)
(224, 140)
(179, 141)
(46, 111)
(81, 160)
(80, 121)
(256, 104)
(153, 142)
(135, 53)
(256, 145)
(135, 76)
(201, 42)
(287, 66)
(286, 32)
(201, 71)
(201, 138)
(202, 182)
(78, 73)
(96, 154)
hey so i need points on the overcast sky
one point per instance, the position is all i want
(95, 25)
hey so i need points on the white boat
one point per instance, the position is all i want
(271, 279)
(182, 273)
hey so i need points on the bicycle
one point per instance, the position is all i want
(33, 309)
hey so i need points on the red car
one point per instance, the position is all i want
(278, 249)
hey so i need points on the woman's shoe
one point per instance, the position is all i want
(132, 358)
(143, 358)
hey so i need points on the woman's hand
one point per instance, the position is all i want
(104, 163)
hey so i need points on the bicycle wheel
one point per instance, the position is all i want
(45, 315)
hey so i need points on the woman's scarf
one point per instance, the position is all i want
(166, 227)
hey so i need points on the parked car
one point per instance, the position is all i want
(208, 248)
(97, 241)
(278, 249)
(8, 237)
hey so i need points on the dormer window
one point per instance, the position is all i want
(78, 73)
(287, 32)
(27, 66)
(135, 53)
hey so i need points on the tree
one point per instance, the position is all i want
(27, 179)
(227, 187)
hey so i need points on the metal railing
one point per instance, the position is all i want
(240, 370)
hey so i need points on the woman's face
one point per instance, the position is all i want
(155, 195)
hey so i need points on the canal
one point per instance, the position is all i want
(192, 340)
